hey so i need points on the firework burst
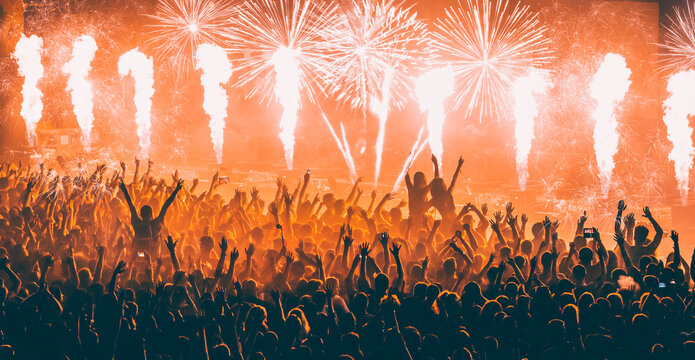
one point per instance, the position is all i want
(265, 26)
(490, 43)
(180, 26)
(679, 44)
(372, 38)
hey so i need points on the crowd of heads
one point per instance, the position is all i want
(120, 264)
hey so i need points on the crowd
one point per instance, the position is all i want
(123, 265)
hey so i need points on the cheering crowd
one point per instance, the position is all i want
(118, 264)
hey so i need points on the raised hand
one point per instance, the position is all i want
(498, 216)
(347, 241)
(494, 225)
(120, 268)
(509, 208)
(618, 237)
(384, 239)
(582, 219)
(170, 243)
(547, 223)
(395, 249)
(647, 213)
(621, 206)
(674, 236)
(223, 245)
(524, 219)
(179, 185)
(234, 255)
(250, 250)
(483, 209)
(630, 220)
(289, 258)
(512, 221)
(364, 249)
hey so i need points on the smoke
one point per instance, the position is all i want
(381, 108)
(677, 108)
(627, 283)
(526, 90)
(28, 56)
(432, 89)
(608, 88)
(80, 88)
(140, 67)
(216, 71)
(287, 85)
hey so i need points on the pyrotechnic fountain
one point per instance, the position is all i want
(526, 91)
(79, 86)
(677, 108)
(28, 56)
(216, 70)
(432, 89)
(608, 88)
(140, 67)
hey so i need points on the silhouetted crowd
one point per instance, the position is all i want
(117, 264)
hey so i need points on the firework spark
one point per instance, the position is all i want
(287, 55)
(141, 68)
(679, 44)
(265, 26)
(79, 86)
(371, 37)
(180, 26)
(287, 87)
(28, 56)
(381, 108)
(216, 71)
(677, 108)
(489, 45)
(526, 90)
(415, 151)
(608, 88)
(343, 146)
(432, 89)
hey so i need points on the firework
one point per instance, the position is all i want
(140, 67)
(216, 71)
(343, 146)
(608, 88)
(372, 37)
(489, 44)
(677, 108)
(381, 108)
(79, 86)
(287, 87)
(679, 42)
(284, 53)
(180, 26)
(432, 89)
(526, 90)
(28, 56)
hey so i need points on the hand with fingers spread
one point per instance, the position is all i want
(395, 249)
(498, 217)
(250, 250)
(674, 236)
(170, 243)
(364, 249)
(223, 245)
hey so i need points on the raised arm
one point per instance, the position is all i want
(456, 175)
(436, 166)
(658, 232)
(133, 212)
(170, 200)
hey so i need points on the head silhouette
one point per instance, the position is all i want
(146, 213)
